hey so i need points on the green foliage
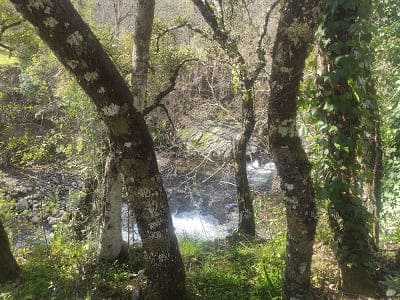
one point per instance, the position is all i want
(392, 284)
(340, 116)
(7, 59)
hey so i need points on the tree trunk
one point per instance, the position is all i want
(61, 27)
(8, 266)
(246, 81)
(341, 111)
(141, 51)
(244, 197)
(110, 243)
(294, 34)
(84, 210)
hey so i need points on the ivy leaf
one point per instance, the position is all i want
(391, 292)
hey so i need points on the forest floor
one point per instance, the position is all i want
(36, 201)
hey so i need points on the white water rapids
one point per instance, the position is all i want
(204, 225)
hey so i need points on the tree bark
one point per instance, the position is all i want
(372, 159)
(8, 266)
(349, 219)
(295, 32)
(244, 197)
(110, 242)
(84, 210)
(141, 51)
(61, 27)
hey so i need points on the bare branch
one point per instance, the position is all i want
(260, 50)
(4, 27)
(266, 22)
(172, 83)
(162, 105)
(178, 26)
(221, 36)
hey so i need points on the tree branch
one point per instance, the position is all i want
(162, 105)
(260, 50)
(266, 22)
(228, 44)
(177, 26)
(172, 83)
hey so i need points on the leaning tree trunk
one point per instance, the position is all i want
(110, 242)
(8, 266)
(294, 34)
(244, 197)
(61, 27)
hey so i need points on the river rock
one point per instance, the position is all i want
(56, 180)
(22, 204)
(35, 220)
(52, 220)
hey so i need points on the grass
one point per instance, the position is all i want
(239, 269)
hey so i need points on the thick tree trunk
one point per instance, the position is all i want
(110, 242)
(349, 219)
(294, 33)
(61, 27)
(141, 51)
(8, 266)
(244, 197)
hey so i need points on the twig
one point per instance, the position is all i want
(260, 50)
(178, 26)
(172, 83)
(10, 49)
(213, 174)
(168, 116)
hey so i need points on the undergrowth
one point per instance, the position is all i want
(64, 269)
(223, 269)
